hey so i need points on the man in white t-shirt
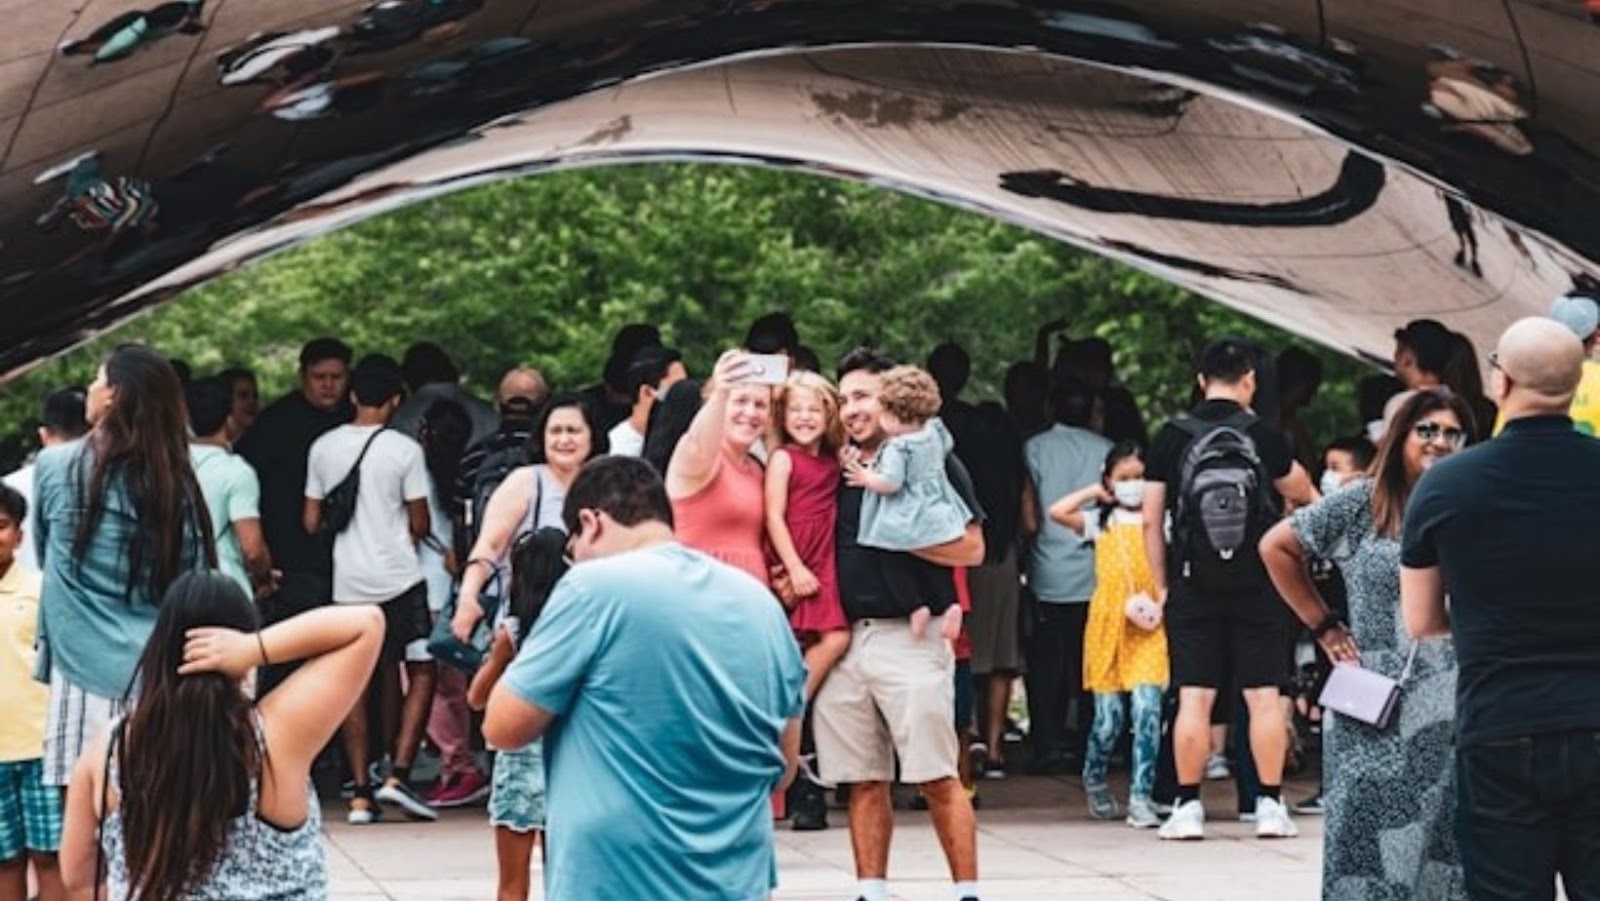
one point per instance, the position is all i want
(652, 372)
(62, 421)
(375, 562)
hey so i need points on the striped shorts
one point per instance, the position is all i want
(75, 718)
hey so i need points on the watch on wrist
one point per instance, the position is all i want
(1328, 624)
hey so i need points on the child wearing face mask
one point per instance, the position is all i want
(1124, 642)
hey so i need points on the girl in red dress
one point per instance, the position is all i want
(802, 504)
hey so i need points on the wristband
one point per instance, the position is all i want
(262, 644)
(1328, 624)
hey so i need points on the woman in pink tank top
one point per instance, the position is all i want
(716, 487)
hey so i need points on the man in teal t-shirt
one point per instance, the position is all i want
(667, 687)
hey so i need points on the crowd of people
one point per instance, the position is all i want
(689, 608)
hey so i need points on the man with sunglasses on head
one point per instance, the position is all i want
(1498, 552)
(667, 687)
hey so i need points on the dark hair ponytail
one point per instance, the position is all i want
(538, 562)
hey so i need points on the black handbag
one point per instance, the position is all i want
(339, 506)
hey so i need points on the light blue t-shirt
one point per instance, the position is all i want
(1061, 461)
(672, 678)
(232, 493)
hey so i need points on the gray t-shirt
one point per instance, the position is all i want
(1061, 461)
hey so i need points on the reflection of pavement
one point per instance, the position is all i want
(1035, 841)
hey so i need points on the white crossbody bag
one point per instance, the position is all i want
(1361, 694)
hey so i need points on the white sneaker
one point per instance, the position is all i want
(1217, 768)
(1272, 820)
(1187, 823)
(1142, 813)
(363, 816)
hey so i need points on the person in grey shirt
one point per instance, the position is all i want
(1060, 460)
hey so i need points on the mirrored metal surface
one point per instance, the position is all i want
(1333, 168)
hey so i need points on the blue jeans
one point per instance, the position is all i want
(1110, 716)
(1529, 810)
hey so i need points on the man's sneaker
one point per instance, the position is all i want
(1187, 823)
(1142, 813)
(1272, 820)
(1217, 768)
(460, 790)
(1247, 816)
(362, 812)
(400, 795)
(1101, 805)
(1310, 807)
(994, 769)
(1163, 810)
(977, 759)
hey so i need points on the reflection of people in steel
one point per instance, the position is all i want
(1466, 235)
(95, 203)
(472, 68)
(342, 96)
(278, 58)
(1477, 99)
(1354, 192)
(124, 34)
(387, 24)
(1267, 55)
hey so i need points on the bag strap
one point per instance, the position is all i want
(364, 448)
(105, 791)
(1411, 658)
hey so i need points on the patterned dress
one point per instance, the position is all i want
(1390, 795)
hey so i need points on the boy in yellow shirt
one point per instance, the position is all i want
(30, 811)
(1581, 313)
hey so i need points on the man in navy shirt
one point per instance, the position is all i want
(1507, 532)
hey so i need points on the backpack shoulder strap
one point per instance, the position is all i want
(356, 467)
(1195, 426)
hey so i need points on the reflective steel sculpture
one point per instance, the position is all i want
(1335, 167)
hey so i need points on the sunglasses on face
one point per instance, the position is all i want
(1433, 431)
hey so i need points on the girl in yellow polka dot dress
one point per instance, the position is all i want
(1124, 643)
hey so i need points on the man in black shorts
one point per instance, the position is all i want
(375, 562)
(1221, 607)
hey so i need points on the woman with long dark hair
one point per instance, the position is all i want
(120, 516)
(1389, 794)
(530, 498)
(198, 793)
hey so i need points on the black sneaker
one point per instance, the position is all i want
(400, 795)
(1311, 807)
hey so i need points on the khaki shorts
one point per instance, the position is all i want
(890, 694)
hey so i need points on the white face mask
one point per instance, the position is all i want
(1129, 493)
(1331, 482)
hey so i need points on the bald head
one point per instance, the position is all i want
(1542, 360)
(524, 382)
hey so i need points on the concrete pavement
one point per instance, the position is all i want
(1036, 841)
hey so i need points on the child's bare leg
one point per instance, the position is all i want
(514, 852)
(821, 657)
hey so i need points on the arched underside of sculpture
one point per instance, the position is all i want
(1334, 169)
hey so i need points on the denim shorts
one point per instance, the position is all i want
(516, 790)
(30, 811)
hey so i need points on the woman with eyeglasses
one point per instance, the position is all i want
(1390, 793)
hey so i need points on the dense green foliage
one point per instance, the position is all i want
(543, 270)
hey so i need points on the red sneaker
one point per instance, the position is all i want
(460, 790)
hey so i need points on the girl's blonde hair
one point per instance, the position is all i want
(827, 395)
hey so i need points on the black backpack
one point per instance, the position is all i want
(503, 453)
(339, 506)
(1224, 504)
